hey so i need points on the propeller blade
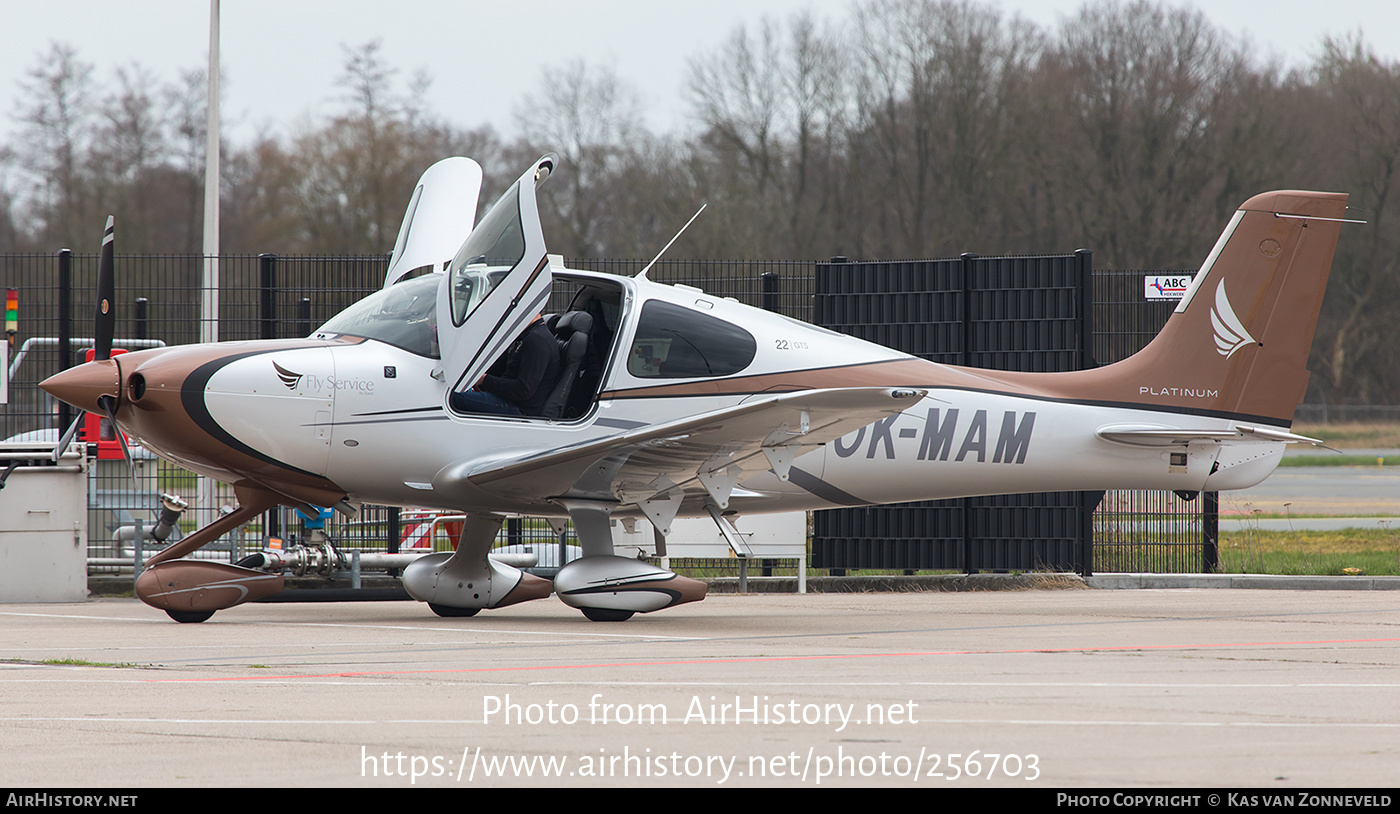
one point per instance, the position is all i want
(67, 437)
(109, 404)
(106, 326)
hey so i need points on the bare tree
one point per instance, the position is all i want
(772, 105)
(593, 119)
(56, 111)
(341, 187)
(188, 122)
(1138, 91)
(941, 94)
(1359, 145)
(129, 159)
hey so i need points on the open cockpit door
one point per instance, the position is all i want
(439, 217)
(497, 283)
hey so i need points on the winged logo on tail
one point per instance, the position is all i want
(1230, 333)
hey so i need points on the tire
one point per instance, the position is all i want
(607, 614)
(449, 612)
(189, 617)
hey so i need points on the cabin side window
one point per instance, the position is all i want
(673, 342)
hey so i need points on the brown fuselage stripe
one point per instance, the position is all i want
(923, 374)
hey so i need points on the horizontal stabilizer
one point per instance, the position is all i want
(1159, 436)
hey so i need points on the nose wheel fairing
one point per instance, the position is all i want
(186, 589)
(191, 590)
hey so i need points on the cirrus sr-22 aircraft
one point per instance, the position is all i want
(677, 403)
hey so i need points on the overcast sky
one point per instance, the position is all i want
(281, 57)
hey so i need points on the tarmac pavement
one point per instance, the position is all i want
(1031, 689)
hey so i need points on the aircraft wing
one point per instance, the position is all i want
(691, 456)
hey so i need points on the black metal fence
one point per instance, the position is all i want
(158, 299)
(1146, 531)
(1004, 313)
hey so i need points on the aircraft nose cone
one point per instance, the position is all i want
(81, 386)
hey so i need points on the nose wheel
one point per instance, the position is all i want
(188, 617)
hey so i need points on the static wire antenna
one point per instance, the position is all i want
(642, 275)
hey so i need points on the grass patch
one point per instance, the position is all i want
(1332, 460)
(1373, 552)
(176, 480)
(1239, 514)
(1054, 581)
(72, 662)
(1353, 435)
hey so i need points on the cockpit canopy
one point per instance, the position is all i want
(493, 248)
(403, 315)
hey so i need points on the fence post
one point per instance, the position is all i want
(967, 258)
(65, 327)
(772, 287)
(771, 284)
(304, 317)
(1086, 308)
(267, 286)
(267, 314)
(1088, 504)
(1210, 532)
(965, 505)
(142, 318)
(1088, 501)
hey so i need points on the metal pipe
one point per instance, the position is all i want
(75, 343)
(278, 560)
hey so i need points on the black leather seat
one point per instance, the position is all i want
(571, 330)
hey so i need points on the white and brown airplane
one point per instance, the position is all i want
(678, 403)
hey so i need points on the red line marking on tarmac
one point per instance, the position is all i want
(685, 662)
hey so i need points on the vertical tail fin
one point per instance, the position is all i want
(1238, 343)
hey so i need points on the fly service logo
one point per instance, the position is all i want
(288, 377)
(1230, 334)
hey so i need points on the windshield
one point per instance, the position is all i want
(492, 249)
(403, 315)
